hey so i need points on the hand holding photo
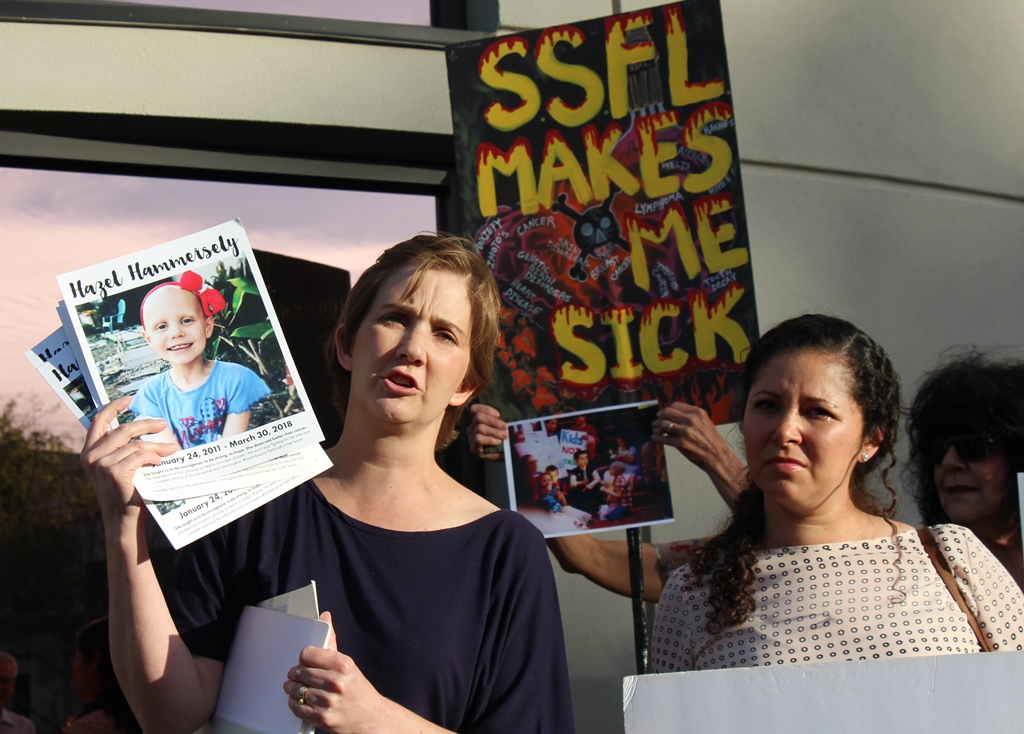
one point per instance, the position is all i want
(589, 471)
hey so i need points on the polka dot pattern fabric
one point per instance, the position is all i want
(671, 556)
(842, 601)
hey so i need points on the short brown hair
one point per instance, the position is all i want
(436, 251)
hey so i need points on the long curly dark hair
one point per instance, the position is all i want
(93, 640)
(969, 393)
(729, 558)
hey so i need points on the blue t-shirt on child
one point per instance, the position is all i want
(550, 501)
(197, 416)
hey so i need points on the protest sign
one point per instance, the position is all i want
(598, 175)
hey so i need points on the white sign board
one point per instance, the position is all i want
(936, 693)
(1020, 495)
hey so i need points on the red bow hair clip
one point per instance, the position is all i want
(210, 298)
(213, 302)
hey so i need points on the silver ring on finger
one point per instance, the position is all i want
(300, 695)
(668, 429)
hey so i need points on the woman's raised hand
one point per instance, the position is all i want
(112, 456)
(486, 429)
(690, 430)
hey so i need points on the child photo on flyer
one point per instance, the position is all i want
(203, 400)
(196, 350)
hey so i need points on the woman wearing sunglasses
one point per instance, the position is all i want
(966, 447)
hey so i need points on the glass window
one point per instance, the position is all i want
(55, 221)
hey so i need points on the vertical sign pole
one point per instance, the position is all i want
(636, 585)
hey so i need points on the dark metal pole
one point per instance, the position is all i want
(636, 586)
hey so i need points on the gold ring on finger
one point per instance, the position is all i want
(300, 695)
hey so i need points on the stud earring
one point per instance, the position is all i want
(864, 457)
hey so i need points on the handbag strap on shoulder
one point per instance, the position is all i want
(941, 564)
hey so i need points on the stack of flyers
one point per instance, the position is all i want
(56, 359)
(187, 329)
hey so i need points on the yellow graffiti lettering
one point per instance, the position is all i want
(559, 163)
(650, 345)
(638, 232)
(604, 167)
(719, 150)
(564, 321)
(581, 76)
(713, 237)
(518, 161)
(709, 322)
(681, 90)
(498, 115)
(653, 153)
(618, 321)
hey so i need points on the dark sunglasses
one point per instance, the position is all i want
(972, 447)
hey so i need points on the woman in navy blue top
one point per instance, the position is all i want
(444, 607)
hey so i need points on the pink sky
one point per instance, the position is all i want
(54, 222)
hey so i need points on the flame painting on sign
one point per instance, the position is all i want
(598, 175)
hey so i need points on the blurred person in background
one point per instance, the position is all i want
(105, 709)
(10, 722)
(966, 447)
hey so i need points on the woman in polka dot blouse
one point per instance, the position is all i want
(812, 568)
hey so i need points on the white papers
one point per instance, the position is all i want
(266, 645)
(947, 693)
(103, 302)
(185, 520)
(59, 364)
(301, 602)
(222, 500)
(101, 353)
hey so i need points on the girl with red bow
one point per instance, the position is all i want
(202, 400)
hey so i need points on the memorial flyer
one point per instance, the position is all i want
(212, 343)
(220, 500)
(58, 363)
(229, 497)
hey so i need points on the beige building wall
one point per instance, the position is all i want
(881, 156)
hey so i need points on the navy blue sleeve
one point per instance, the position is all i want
(528, 689)
(204, 609)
